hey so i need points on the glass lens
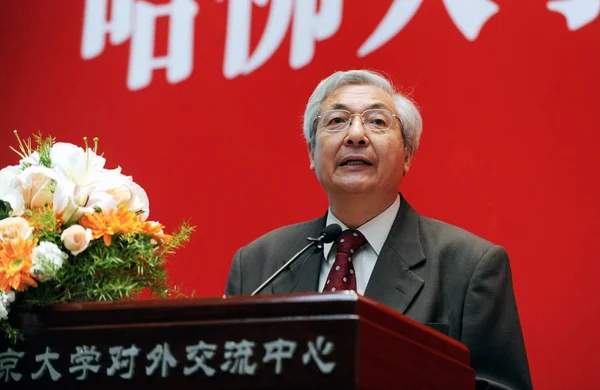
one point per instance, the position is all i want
(377, 119)
(335, 120)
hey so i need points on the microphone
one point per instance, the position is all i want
(329, 234)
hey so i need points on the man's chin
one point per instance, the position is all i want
(354, 187)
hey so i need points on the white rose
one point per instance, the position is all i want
(13, 228)
(9, 192)
(5, 300)
(76, 239)
(47, 258)
(3, 312)
(123, 191)
(139, 201)
(36, 186)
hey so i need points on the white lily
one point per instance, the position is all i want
(32, 160)
(79, 171)
(70, 202)
(78, 165)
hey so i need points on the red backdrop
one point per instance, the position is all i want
(508, 92)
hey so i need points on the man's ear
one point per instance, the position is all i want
(408, 157)
(310, 156)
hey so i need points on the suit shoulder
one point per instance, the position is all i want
(256, 261)
(444, 236)
(299, 230)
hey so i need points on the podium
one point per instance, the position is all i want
(296, 341)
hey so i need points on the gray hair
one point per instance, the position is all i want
(407, 111)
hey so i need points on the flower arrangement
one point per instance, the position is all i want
(71, 230)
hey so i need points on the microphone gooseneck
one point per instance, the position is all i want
(329, 234)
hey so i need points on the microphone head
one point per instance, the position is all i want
(331, 233)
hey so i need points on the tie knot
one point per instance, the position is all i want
(350, 240)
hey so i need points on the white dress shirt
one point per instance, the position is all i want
(375, 231)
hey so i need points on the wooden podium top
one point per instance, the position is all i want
(246, 307)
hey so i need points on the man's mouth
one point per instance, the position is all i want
(354, 162)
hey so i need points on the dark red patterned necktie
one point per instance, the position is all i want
(341, 276)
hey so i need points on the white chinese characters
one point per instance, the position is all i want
(84, 360)
(577, 12)
(8, 363)
(310, 22)
(468, 15)
(123, 361)
(277, 351)
(137, 20)
(46, 366)
(318, 350)
(200, 354)
(308, 27)
(236, 358)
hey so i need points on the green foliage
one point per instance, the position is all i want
(46, 223)
(12, 334)
(44, 145)
(131, 264)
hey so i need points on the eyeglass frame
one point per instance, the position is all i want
(361, 120)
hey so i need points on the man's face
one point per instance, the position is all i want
(357, 161)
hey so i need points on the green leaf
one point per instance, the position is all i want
(5, 209)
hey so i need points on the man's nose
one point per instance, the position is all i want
(357, 134)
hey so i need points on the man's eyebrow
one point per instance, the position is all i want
(338, 106)
(342, 106)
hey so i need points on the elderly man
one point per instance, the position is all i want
(362, 136)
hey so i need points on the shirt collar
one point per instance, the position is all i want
(375, 230)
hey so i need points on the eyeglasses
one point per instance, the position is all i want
(376, 120)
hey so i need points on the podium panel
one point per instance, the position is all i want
(296, 341)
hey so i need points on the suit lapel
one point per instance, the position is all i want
(303, 275)
(392, 281)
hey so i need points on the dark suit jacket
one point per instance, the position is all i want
(435, 273)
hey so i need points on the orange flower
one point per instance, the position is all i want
(15, 264)
(155, 230)
(117, 221)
